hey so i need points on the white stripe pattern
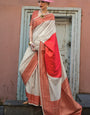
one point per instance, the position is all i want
(44, 31)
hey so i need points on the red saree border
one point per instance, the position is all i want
(33, 99)
(67, 104)
(61, 106)
(30, 68)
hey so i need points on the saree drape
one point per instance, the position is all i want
(43, 72)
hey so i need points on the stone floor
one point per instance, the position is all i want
(1, 110)
(84, 100)
(12, 107)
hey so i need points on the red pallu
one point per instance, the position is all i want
(52, 57)
(66, 105)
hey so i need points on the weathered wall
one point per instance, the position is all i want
(10, 20)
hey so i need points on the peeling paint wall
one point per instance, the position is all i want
(10, 20)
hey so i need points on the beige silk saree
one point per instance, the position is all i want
(43, 72)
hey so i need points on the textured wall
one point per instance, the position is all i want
(10, 20)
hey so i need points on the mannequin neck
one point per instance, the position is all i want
(44, 10)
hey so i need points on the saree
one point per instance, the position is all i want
(43, 72)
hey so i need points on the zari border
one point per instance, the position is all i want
(30, 68)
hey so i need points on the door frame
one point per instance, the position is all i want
(75, 15)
